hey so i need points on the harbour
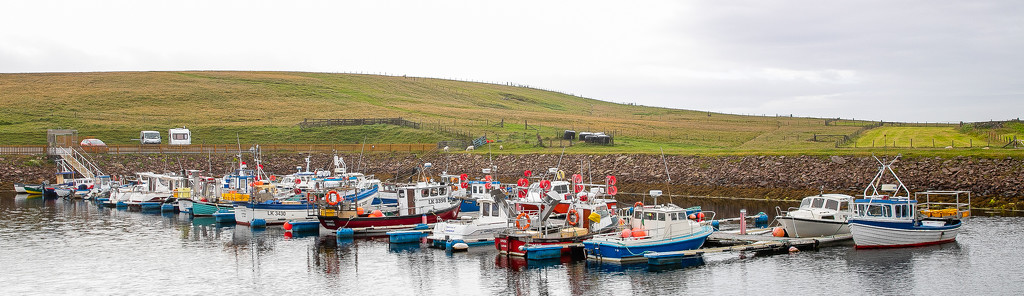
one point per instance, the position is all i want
(62, 246)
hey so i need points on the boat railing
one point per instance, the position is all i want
(946, 203)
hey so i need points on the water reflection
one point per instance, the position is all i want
(179, 254)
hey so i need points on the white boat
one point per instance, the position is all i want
(660, 228)
(818, 215)
(264, 204)
(493, 218)
(892, 218)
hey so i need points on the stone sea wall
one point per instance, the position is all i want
(777, 177)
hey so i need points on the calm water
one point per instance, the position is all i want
(74, 247)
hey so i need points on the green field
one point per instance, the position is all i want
(937, 137)
(265, 107)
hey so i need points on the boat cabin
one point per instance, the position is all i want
(423, 197)
(888, 209)
(663, 221)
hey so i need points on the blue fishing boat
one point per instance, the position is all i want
(662, 228)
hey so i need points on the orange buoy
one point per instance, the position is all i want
(626, 233)
(376, 213)
(287, 225)
(779, 232)
(640, 232)
(360, 211)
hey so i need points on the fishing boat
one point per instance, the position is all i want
(494, 216)
(420, 203)
(888, 216)
(818, 215)
(660, 228)
(271, 209)
(553, 235)
(531, 195)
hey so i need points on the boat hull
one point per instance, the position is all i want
(273, 214)
(803, 227)
(334, 222)
(875, 234)
(625, 250)
(205, 209)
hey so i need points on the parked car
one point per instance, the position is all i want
(93, 145)
(92, 142)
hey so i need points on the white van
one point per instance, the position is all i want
(179, 136)
(149, 137)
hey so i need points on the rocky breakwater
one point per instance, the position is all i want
(994, 182)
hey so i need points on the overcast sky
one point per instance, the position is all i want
(880, 60)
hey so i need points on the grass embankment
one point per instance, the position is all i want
(265, 107)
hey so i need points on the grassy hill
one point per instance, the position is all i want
(265, 107)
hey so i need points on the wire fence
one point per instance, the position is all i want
(226, 148)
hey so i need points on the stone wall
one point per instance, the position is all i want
(754, 176)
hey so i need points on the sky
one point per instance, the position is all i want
(907, 61)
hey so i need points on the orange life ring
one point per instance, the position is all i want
(333, 201)
(520, 219)
(273, 178)
(572, 217)
(638, 205)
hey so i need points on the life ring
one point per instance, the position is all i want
(487, 185)
(273, 178)
(488, 178)
(310, 198)
(463, 177)
(298, 181)
(527, 173)
(333, 201)
(523, 182)
(465, 185)
(545, 184)
(612, 190)
(522, 193)
(572, 217)
(577, 178)
(298, 191)
(638, 205)
(519, 219)
(560, 175)
(578, 188)
(612, 180)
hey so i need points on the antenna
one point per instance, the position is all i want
(667, 181)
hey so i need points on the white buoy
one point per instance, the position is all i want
(460, 247)
(793, 250)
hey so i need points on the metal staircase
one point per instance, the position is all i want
(77, 161)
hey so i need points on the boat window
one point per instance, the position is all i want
(832, 204)
(425, 192)
(650, 216)
(442, 190)
(562, 189)
(485, 210)
(843, 205)
(817, 203)
(401, 193)
(806, 202)
(661, 216)
(637, 214)
(877, 210)
(433, 191)
(671, 216)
